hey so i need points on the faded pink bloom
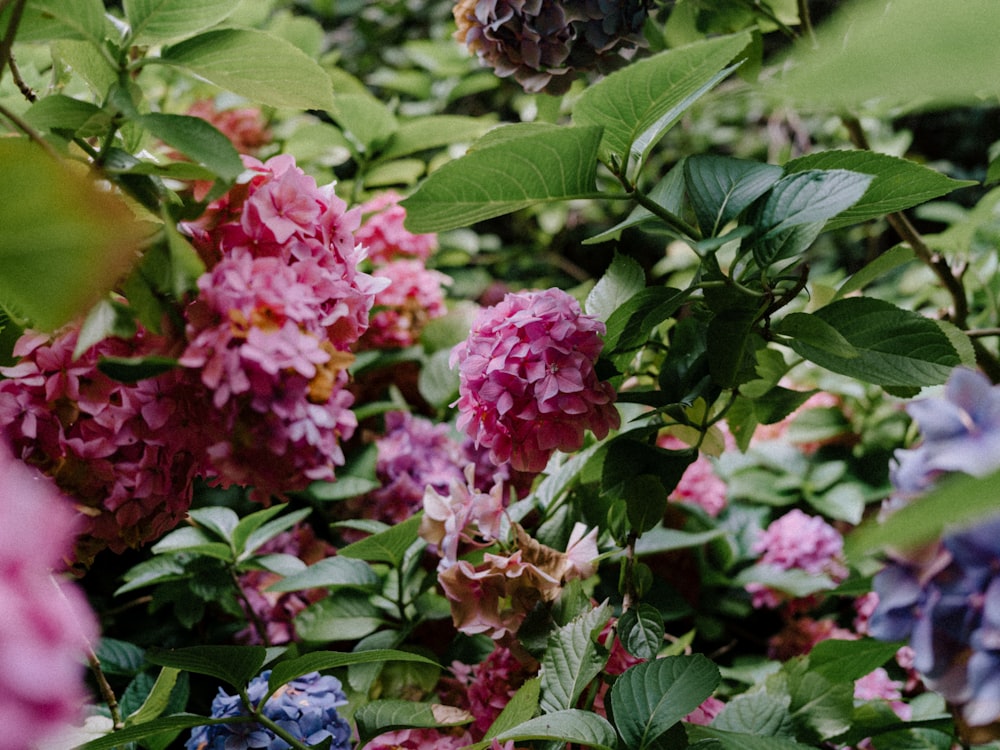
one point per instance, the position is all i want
(706, 712)
(779, 430)
(421, 739)
(877, 685)
(280, 306)
(463, 514)
(124, 452)
(700, 485)
(383, 235)
(244, 126)
(798, 540)
(527, 381)
(46, 624)
(415, 295)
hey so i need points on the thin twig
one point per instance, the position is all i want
(23, 87)
(29, 131)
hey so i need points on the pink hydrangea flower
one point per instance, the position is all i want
(415, 295)
(384, 236)
(489, 685)
(123, 451)
(420, 739)
(700, 485)
(798, 540)
(46, 624)
(246, 127)
(527, 381)
(878, 685)
(706, 712)
(280, 306)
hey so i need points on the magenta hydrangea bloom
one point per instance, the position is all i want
(414, 296)
(421, 739)
(46, 624)
(280, 306)
(383, 235)
(527, 381)
(123, 451)
(798, 540)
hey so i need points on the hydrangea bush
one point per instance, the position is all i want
(499, 375)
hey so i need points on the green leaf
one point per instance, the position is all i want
(234, 665)
(387, 546)
(721, 187)
(622, 281)
(898, 183)
(196, 139)
(57, 268)
(637, 104)
(331, 571)
(850, 660)
(522, 706)
(646, 500)
(175, 722)
(725, 740)
(158, 699)
(918, 54)
(572, 659)
(883, 264)
(64, 113)
(815, 332)
(258, 66)
(569, 726)
(155, 21)
(661, 539)
(218, 519)
(524, 167)
(347, 616)
(630, 325)
(794, 581)
(955, 501)
(389, 714)
(432, 132)
(155, 570)
(821, 708)
(640, 629)
(190, 539)
(120, 657)
(45, 20)
(756, 712)
(248, 525)
(895, 347)
(366, 121)
(732, 343)
(134, 369)
(793, 212)
(266, 531)
(288, 670)
(650, 698)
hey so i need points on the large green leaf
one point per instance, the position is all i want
(196, 139)
(286, 671)
(388, 714)
(331, 571)
(347, 616)
(44, 20)
(895, 347)
(897, 184)
(756, 712)
(724, 740)
(434, 131)
(523, 167)
(720, 187)
(65, 241)
(650, 698)
(920, 53)
(637, 104)
(235, 665)
(522, 706)
(572, 725)
(255, 65)
(573, 658)
(623, 280)
(850, 659)
(369, 122)
(124, 737)
(387, 546)
(163, 20)
(640, 629)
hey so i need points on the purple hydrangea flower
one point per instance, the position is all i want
(306, 708)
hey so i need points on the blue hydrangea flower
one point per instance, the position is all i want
(305, 707)
(961, 432)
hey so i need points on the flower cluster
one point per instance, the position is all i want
(46, 624)
(414, 296)
(494, 597)
(700, 485)
(383, 235)
(527, 382)
(544, 43)
(944, 599)
(463, 514)
(125, 452)
(487, 687)
(420, 739)
(306, 708)
(278, 310)
(798, 541)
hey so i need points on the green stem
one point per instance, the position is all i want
(282, 733)
(687, 231)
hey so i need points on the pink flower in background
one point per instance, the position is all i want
(420, 739)
(415, 295)
(800, 634)
(527, 381)
(800, 541)
(383, 235)
(706, 712)
(700, 485)
(244, 126)
(124, 452)
(280, 306)
(46, 624)
(877, 685)
(491, 684)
